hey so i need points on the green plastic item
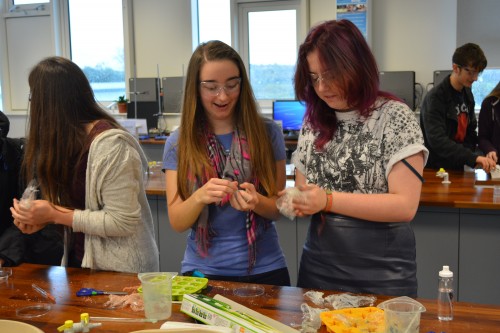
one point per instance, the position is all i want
(182, 285)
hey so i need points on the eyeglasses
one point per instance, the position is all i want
(214, 89)
(471, 72)
(326, 77)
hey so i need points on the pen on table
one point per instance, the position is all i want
(44, 293)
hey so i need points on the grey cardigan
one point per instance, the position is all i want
(117, 220)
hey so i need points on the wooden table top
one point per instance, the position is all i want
(462, 192)
(152, 141)
(280, 303)
(155, 183)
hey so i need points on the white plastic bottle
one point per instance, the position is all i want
(445, 295)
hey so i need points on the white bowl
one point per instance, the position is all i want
(18, 327)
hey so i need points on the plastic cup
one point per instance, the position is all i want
(496, 194)
(402, 315)
(157, 294)
(5, 272)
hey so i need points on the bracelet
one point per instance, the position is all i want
(329, 201)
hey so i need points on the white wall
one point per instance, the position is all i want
(321, 10)
(479, 22)
(415, 36)
(162, 37)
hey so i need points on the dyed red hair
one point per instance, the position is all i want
(342, 50)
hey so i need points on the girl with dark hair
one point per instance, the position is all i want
(489, 124)
(359, 160)
(224, 167)
(90, 174)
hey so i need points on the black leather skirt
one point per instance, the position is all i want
(351, 255)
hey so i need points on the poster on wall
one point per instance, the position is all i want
(357, 12)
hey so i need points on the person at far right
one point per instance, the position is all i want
(447, 115)
(489, 124)
(359, 160)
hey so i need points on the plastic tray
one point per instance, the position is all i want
(182, 285)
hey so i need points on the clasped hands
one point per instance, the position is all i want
(242, 197)
(312, 199)
(32, 219)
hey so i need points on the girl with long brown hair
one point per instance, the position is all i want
(224, 168)
(90, 175)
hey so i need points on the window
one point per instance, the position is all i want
(265, 33)
(23, 5)
(272, 52)
(97, 45)
(269, 34)
(214, 21)
(28, 2)
(485, 84)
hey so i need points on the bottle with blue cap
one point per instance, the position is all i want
(445, 295)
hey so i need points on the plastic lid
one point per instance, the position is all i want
(446, 272)
(249, 291)
(33, 311)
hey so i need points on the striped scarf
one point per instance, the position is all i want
(234, 166)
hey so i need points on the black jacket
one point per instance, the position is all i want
(489, 125)
(42, 247)
(11, 154)
(438, 119)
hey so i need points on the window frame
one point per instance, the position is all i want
(10, 103)
(29, 9)
(63, 35)
(239, 10)
(239, 23)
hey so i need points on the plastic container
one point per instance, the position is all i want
(33, 311)
(445, 295)
(157, 294)
(402, 315)
(182, 285)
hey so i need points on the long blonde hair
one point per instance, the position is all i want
(192, 155)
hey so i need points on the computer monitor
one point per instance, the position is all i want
(440, 75)
(401, 84)
(290, 113)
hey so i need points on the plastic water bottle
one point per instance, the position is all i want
(445, 294)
